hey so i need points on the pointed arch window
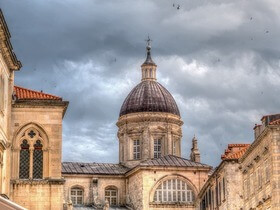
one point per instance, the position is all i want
(24, 160)
(31, 155)
(38, 160)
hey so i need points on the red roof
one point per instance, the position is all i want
(275, 122)
(235, 151)
(26, 94)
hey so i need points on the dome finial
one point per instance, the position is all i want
(149, 57)
(149, 47)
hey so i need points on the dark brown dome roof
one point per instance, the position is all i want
(149, 96)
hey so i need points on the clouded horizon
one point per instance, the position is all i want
(219, 59)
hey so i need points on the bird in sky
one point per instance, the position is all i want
(178, 7)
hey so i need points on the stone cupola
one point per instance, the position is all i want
(149, 121)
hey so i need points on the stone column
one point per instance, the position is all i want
(145, 144)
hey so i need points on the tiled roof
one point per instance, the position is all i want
(171, 160)
(275, 122)
(93, 168)
(235, 151)
(27, 94)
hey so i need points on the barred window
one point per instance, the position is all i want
(136, 149)
(24, 160)
(111, 195)
(31, 158)
(77, 196)
(157, 148)
(174, 190)
(38, 160)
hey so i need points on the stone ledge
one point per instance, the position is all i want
(38, 181)
(171, 205)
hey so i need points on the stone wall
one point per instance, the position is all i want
(147, 127)
(94, 187)
(142, 185)
(38, 195)
(46, 119)
(252, 164)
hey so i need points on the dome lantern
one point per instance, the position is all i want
(149, 67)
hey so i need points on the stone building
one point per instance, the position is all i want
(151, 173)
(223, 190)
(248, 177)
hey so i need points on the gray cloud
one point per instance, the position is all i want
(219, 59)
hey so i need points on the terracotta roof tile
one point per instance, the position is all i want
(235, 151)
(27, 94)
(275, 122)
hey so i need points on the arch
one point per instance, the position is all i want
(18, 134)
(77, 194)
(111, 195)
(31, 132)
(173, 177)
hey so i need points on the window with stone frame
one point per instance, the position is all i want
(2, 93)
(157, 148)
(224, 189)
(77, 196)
(245, 187)
(251, 183)
(111, 195)
(174, 191)
(266, 171)
(136, 149)
(31, 158)
(174, 147)
(259, 175)
(24, 160)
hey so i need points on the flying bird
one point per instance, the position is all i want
(251, 18)
(267, 32)
(178, 7)
(173, 5)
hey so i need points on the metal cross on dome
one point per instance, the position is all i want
(148, 41)
(31, 134)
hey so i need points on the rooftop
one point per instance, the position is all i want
(235, 151)
(27, 94)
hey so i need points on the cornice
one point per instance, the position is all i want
(6, 46)
(256, 142)
(149, 117)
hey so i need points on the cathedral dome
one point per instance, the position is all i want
(149, 95)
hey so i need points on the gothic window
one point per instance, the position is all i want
(111, 195)
(38, 160)
(157, 148)
(31, 155)
(136, 149)
(24, 160)
(77, 196)
(173, 191)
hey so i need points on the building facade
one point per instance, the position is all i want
(150, 173)
(248, 177)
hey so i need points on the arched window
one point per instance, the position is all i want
(24, 160)
(38, 160)
(173, 191)
(31, 155)
(77, 196)
(111, 195)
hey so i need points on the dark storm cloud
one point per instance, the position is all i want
(220, 60)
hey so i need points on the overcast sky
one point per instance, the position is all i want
(218, 58)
